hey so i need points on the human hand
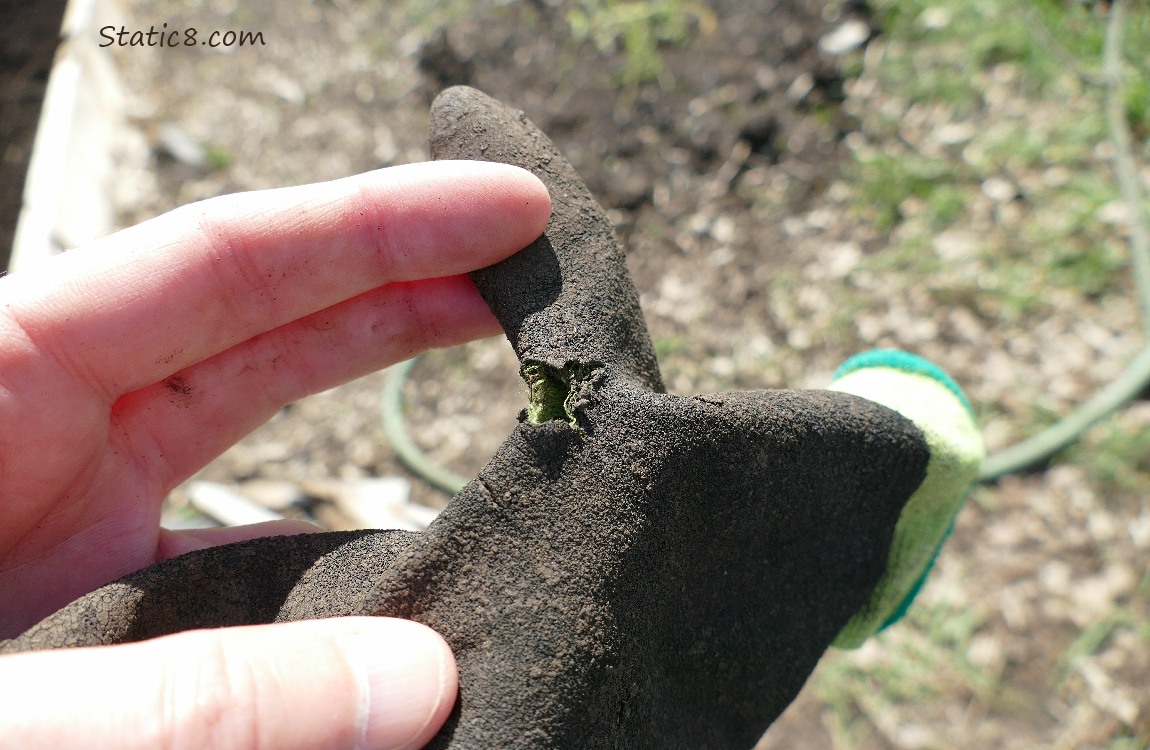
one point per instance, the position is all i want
(349, 682)
(128, 364)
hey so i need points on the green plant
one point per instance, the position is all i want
(217, 157)
(1136, 98)
(1090, 640)
(640, 27)
(886, 181)
(1117, 456)
(1129, 743)
(437, 14)
(669, 346)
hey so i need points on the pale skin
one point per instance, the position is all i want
(128, 364)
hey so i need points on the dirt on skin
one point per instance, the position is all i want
(722, 179)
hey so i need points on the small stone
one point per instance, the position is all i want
(382, 503)
(1056, 176)
(722, 256)
(848, 36)
(723, 229)
(915, 736)
(274, 494)
(227, 505)
(800, 87)
(954, 246)
(999, 190)
(699, 223)
(842, 258)
(1114, 212)
(386, 149)
(1139, 530)
(176, 142)
(954, 133)
(934, 18)
(766, 78)
(1055, 577)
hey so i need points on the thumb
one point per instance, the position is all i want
(355, 682)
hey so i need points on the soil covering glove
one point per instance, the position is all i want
(922, 392)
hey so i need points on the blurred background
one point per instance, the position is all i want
(794, 182)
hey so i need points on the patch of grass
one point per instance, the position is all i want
(1038, 35)
(639, 28)
(1090, 640)
(1116, 456)
(1129, 617)
(1093, 270)
(1059, 240)
(669, 346)
(217, 157)
(433, 15)
(1136, 101)
(885, 181)
(1017, 147)
(917, 660)
(1130, 743)
(945, 204)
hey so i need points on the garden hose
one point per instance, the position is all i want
(406, 449)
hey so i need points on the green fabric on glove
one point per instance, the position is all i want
(922, 392)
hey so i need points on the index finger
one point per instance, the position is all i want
(133, 308)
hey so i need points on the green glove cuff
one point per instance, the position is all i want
(922, 392)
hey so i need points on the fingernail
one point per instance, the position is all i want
(408, 675)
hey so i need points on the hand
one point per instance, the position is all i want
(128, 364)
(352, 682)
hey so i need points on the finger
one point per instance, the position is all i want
(135, 307)
(175, 427)
(162, 434)
(362, 682)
